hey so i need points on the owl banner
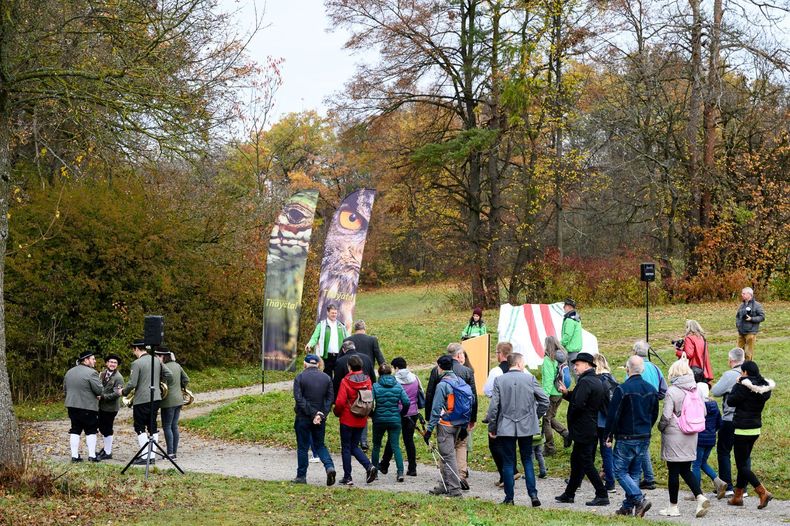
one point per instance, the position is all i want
(345, 242)
(285, 266)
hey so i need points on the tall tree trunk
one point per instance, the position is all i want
(10, 445)
(692, 130)
(710, 115)
(557, 21)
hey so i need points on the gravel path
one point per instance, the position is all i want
(197, 454)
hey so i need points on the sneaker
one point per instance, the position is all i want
(330, 477)
(464, 484)
(703, 505)
(542, 475)
(314, 460)
(641, 508)
(93, 459)
(535, 501)
(173, 456)
(76, 459)
(729, 493)
(372, 474)
(383, 468)
(438, 490)
(346, 482)
(611, 489)
(670, 511)
(565, 499)
(400, 478)
(299, 480)
(598, 501)
(647, 485)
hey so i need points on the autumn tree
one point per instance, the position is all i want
(82, 81)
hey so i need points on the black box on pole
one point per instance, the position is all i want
(154, 331)
(647, 272)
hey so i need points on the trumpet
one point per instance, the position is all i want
(129, 399)
(189, 397)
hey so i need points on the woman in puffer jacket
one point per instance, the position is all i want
(411, 384)
(391, 402)
(748, 397)
(679, 449)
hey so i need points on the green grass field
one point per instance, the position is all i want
(91, 495)
(412, 322)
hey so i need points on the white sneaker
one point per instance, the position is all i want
(703, 505)
(670, 511)
(729, 493)
(314, 460)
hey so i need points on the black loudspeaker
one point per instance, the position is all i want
(647, 272)
(154, 330)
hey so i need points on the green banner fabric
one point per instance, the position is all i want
(285, 266)
(345, 243)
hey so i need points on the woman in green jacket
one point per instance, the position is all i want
(171, 405)
(476, 326)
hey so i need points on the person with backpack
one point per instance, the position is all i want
(451, 410)
(695, 347)
(391, 403)
(353, 405)
(651, 374)
(517, 404)
(411, 384)
(455, 351)
(609, 384)
(552, 371)
(682, 418)
(707, 439)
(585, 401)
(748, 397)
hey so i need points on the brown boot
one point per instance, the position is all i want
(737, 498)
(765, 496)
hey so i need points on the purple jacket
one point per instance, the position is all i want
(410, 384)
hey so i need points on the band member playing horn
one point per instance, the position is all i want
(171, 405)
(82, 388)
(140, 381)
(109, 402)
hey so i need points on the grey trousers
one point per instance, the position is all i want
(445, 438)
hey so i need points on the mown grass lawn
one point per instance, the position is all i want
(90, 495)
(412, 322)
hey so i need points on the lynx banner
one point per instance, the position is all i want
(343, 248)
(526, 327)
(477, 349)
(285, 265)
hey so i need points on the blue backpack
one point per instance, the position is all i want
(460, 407)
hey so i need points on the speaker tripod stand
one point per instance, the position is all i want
(149, 446)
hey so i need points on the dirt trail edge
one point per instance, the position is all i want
(197, 454)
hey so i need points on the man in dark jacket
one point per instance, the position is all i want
(454, 350)
(82, 388)
(313, 396)
(747, 320)
(366, 344)
(585, 401)
(632, 414)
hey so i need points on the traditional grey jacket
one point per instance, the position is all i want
(110, 400)
(82, 385)
(140, 380)
(517, 403)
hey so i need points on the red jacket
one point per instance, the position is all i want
(696, 349)
(346, 395)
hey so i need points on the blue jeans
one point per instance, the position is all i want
(647, 467)
(308, 433)
(349, 445)
(507, 446)
(606, 459)
(628, 458)
(703, 452)
(170, 416)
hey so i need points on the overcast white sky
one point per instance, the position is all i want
(316, 65)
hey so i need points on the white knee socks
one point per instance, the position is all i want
(91, 441)
(74, 442)
(108, 445)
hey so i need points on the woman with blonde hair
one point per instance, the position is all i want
(609, 384)
(679, 449)
(554, 356)
(695, 347)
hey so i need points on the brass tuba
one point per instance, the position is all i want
(189, 397)
(128, 400)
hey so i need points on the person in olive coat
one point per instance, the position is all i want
(171, 404)
(83, 388)
(109, 402)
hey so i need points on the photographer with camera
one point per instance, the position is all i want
(747, 320)
(694, 347)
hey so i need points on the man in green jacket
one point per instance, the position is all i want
(82, 388)
(140, 381)
(327, 339)
(109, 402)
(571, 330)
